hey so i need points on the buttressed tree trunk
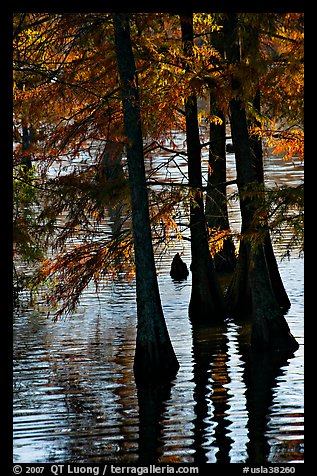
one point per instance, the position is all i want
(257, 158)
(252, 277)
(206, 302)
(155, 360)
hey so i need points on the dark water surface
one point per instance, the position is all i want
(76, 400)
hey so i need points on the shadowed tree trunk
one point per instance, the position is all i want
(276, 280)
(251, 290)
(155, 359)
(216, 197)
(206, 302)
(239, 295)
(269, 328)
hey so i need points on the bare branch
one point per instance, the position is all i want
(175, 184)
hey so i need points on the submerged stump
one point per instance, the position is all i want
(179, 270)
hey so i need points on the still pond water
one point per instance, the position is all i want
(75, 399)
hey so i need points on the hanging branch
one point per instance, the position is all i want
(186, 185)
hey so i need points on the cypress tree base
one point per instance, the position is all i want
(206, 302)
(269, 328)
(270, 331)
(154, 363)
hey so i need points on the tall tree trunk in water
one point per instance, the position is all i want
(276, 280)
(206, 302)
(216, 197)
(251, 287)
(155, 360)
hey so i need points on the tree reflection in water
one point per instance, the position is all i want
(212, 441)
(152, 404)
(210, 351)
(261, 372)
(212, 407)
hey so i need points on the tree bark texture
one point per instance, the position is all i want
(238, 297)
(206, 302)
(155, 359)
(216, 196)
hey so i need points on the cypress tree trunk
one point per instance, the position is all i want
(206, 302)
(276, 280)
(216, 197)
(155, 359)
(269, 327)
(238, 297)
